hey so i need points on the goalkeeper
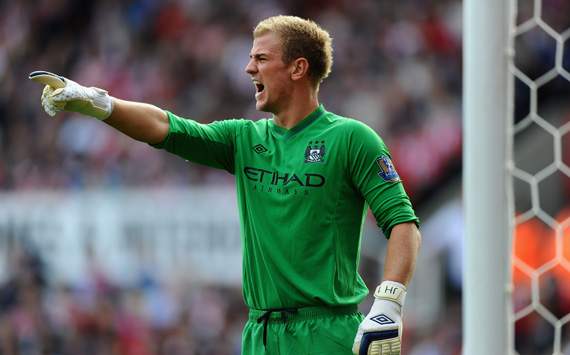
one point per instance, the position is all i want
(304, 177)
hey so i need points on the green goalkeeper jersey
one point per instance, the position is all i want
(302, 196)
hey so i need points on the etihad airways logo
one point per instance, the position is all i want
(283, 179)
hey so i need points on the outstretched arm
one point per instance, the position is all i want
(140, 121)
(208, 144)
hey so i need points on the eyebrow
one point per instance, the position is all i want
(258, 55)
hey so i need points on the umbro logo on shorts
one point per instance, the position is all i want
(382, 319)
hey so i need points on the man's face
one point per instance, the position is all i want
(270, 75)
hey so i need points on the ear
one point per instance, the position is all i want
(299, 68)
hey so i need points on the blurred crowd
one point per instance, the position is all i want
(100, 317)
(397, 68)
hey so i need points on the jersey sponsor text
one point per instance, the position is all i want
(278, 178)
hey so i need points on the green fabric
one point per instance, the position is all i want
(326, 333)
(303, 313)
(302, 196)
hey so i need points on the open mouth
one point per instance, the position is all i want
(259, 87)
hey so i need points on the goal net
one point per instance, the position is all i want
(540, 172)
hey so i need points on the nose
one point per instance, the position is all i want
(250, 67)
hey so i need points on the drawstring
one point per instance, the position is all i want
(265, 318)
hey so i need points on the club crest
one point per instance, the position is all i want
(387, 170)
(315, 152)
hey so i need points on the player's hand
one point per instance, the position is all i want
(380, 333)
(62, 94)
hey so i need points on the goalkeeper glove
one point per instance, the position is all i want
(62, 94)
(380, 333)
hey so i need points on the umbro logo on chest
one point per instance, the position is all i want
(314, 152)
(259, 148)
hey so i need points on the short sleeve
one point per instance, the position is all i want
(374, 175)
(210, 144)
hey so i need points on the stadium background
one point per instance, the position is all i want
(77, 279)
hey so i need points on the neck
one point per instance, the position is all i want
(299, 107)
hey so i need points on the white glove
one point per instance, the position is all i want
(62, 94)
(380, 333)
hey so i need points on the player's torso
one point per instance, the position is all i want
(301, 216)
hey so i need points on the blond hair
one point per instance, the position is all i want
(301, 38)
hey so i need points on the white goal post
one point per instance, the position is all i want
(487, 105)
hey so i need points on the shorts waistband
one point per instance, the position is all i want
(295, 314)
(300, 313)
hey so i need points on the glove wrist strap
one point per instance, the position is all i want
(391, 291)
(102, 104)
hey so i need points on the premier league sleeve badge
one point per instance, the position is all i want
(387, 171)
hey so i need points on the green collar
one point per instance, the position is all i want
(286, 133)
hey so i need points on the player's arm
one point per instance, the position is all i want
(140, 121)
(208, 144)
(401, 253)
(375, 177)
(381, 331)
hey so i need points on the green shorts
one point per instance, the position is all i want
(302, 331)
